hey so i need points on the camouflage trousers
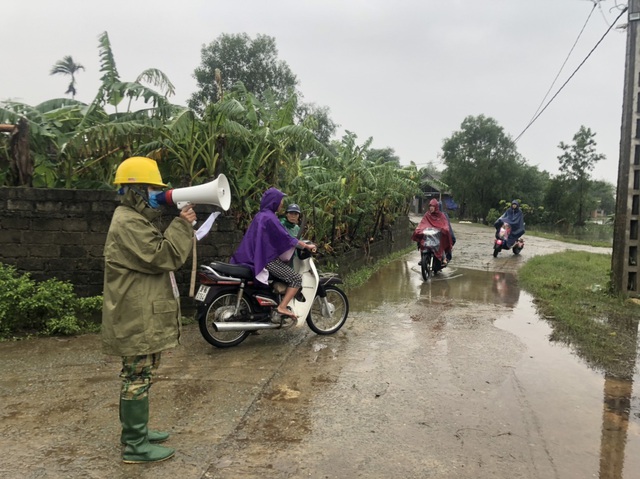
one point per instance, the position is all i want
(137, 375)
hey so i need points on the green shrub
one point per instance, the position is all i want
(50, 307)
(492, 216)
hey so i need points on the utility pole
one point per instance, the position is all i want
(624, 262)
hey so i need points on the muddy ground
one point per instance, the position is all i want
(422, 382)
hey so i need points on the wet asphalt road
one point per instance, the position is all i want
(425, 380)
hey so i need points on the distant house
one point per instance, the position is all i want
(598, 216)
(433, 187)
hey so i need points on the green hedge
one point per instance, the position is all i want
(50, 307)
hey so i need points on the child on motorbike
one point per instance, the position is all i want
(291, 220)
(515, 218)
(434, 218)
(267, 247)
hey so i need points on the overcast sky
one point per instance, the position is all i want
(405, 72)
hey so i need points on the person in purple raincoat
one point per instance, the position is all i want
(267, 247)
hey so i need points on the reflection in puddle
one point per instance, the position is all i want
(571, 407)
(401, 281)
(591, 421)
(474, 286)
(615, 425)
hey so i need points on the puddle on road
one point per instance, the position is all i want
(590, 417)
(586, 411)
(401, 281)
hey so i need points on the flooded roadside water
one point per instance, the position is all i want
(593, 419)
(590, 420)
(450, 379)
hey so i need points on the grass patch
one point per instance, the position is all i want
(568, 239)
(361, 276)
(571, 291)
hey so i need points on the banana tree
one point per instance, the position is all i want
(190, 149)
(101, 138)
(79, 145)
(391, 190)
(44, 136)
(351, 197)
(316, 191)
(271, 155)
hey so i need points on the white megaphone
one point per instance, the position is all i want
(216, 192)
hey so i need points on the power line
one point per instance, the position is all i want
(619, 7)
(572, 75)
(604, 17)
(563, 64)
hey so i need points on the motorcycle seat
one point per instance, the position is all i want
(236, 270)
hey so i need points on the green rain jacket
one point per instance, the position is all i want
(292, 228)
(141, 313)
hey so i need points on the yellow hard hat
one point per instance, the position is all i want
(138, 169)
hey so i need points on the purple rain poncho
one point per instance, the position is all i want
(266, 239)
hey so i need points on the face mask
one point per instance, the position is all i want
(153, 198)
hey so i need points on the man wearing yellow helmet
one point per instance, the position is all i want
(141, 310)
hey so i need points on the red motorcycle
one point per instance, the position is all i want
(500, 242)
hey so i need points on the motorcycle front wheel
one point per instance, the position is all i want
(328, 314)
(496, 250)
(221, 310)
(424, 267)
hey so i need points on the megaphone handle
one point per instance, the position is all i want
(187, 211)
(194, 267)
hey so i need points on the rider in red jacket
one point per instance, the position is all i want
(434, 218)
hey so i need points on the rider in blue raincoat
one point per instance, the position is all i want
(514, 217)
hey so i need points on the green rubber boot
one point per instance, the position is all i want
(138, 449)
(153, 436)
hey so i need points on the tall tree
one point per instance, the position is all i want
(604, 196)
(482, 165)
(384, 155)
(557, 202)
(67, 66)
(239, 58)
(317, 119)
(576, 163)
(531, 185)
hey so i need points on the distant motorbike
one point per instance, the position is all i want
(231, 304)
(428, 245)
(500, 242)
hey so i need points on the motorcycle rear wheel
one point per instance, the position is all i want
(516, 250)
(220, 311)
(424, 267)
(328, 318)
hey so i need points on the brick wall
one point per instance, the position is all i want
(56, 233)
(395, 238)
